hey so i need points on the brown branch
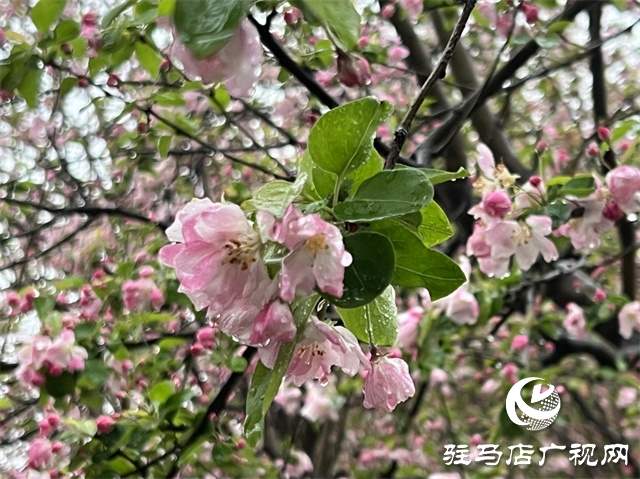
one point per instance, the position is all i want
(438, 72)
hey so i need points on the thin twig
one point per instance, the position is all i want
(438, 72)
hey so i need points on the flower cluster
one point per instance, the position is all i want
(43, 355)
(220, 258)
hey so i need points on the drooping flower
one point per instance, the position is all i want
(317, 254)
(273, 323)
(387, 383)
(321, 347)
(629, 319)
(408, 327)
(235, 64)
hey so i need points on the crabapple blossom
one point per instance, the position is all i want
(624, 185)
(235, 64)
(317, 254)
(104, 424)
(387, 383)
(629, 319)
(353, 70)
(39, 453)
(206, 337)
(460, 306)
(626, 397)
(408, 327)
(140, 294)
(575, 321)
(321, 346)
(519, 342)
(274, 322)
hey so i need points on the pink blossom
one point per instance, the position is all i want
(510, 372)
(39, 453)
(624, 186)
(353, 70)
(44, 428)
(599, 296)
(321, 347)
(496, 204)
(207, 337)
(626, 397)
(525, 240)
(140, 294)
(398, 53)
(388, 11)
(575, 321)
(64, 354)
(593, 150)
(90, 303)
(413, 7)
(317, 255)
(408, 327)
(490, 386)
(321, 403)
(530, 12)
(629, 319)
(235, 64)
(217, 260)
(519, 342)
(292, 16)
(104, 424)
(273, 323)
(438, 376)
(460, 306)
(89, 25)
(388, 383)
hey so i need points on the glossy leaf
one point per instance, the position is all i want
(440, 176)
(205, 26)
(387, 194)
(320, 184)
(418, 266)
(338, 16)
(277, 195)
(434, 227)
(148, 58)
(46, 13)
(370, 272)
(342, 139)
(161, 392)
(370, 168)
(580, 186)
(376, 322)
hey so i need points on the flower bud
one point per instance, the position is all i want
(535, 181)
(604, 133)
(612, 212)
(104, 424)
(593, 150)
(541, 146)
(353, 70)
(530, 12)
(496, 203)
(113, 80)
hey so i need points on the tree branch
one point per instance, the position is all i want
(438, 72)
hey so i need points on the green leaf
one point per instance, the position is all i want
(418, 266)
(29, 88)
(276, 196)
(44, 305)
(580, 186)
(161, 392)
(338, 16)
(376, 322)
(148, 58)
(65, 87)
(435, 227)
(558, 180)
(370, 168)
(265, 383)
(95, 374)
(440, 176)
(342, 139)
(121, 465)
(387, 194)
(66, 31)
(370, 271)
(254, 422)
(115, 13)
(558, 211)
(46, 12)
(175, 401)
(87, 427)
(320, 183)
(164, 144)
(205, 26)
(60, 386)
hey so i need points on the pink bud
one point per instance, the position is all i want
(13, 299)
(625, 145)
(353, 70)
(104, 424)
(292, 16)
(196, 349)
(599, 296)
(496, 204)
(241, 443)
(541, 146)
(612, 212)
(6, 96)
(54, 420)
(388, 11)
(207, 336)
(604, 133)
(530, 12)
(535, 181)
(45, 428)
(55, 370)
(363, 42)
(142, 127)
(90, 20)
(57, 447)
(593, 150)
(519, 342)
(146, 271)
(113, 80)
(83, 82)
